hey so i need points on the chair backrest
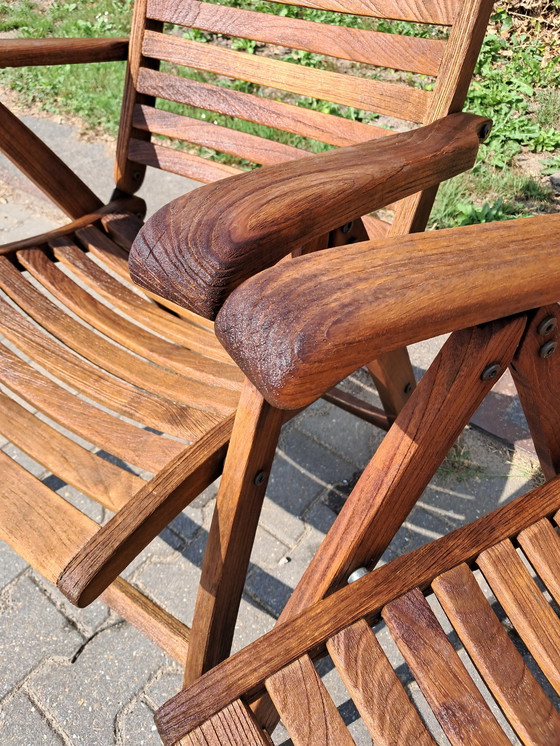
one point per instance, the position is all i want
(287, 109)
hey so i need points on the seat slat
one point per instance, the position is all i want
(132, 444)
(401, 101)
(458, 705)
(310, 718)
(132, 336)
(179, 162)
(519, 695)
(113, 258)
(285, 117)
(525, 605)
(109, 356)
(541, 544)
(439, 12)
(38, 524)
(375, 688)
(100, 386)
(205, 134)
(408, 53)
(95, 477)
(233, 726)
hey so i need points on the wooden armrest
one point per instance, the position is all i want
(33, 52)
(201, 246)
(299, 328)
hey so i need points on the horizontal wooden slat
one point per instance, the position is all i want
(401, 101)
(375, 688)
(167, 354)
(141, 309)
(451, 693)
(95, 477)
(529, 612)
(42, 527)
(311, 717)
(109, 356)
(205, 134)
(368, 47)
(97, 384)
(179, 162)
(439, 12)
(523, 701)
(308, 632)
(132, 444)
(295, 119)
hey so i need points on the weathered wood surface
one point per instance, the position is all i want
(26, 52)
(198, 248)
(245, 672)
(329, 313)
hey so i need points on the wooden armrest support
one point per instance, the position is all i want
(201, 246)
(299, 328)
(34, 52)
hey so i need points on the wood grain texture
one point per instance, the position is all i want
(368, 47)
(205, 134)
(541, 545)
(311, 717)
(198, 248)
(234, 726)
(451, 693)
(179, 162)
(329, 313)
(97, 478)
(45, 169)
(26, 52)
(116, 544)
(406, 460)
(244, 673)
(401, 101)
(428, 11)
(122, 439)
(523, 701)
(375, 689)
(528, 610)
(44, 529)
(259, 109)
(232, 532)
(537, 382)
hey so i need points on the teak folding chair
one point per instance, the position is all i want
(349, 304)
(142, 381)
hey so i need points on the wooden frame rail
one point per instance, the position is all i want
(35, 52)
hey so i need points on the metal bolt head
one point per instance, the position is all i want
(490, 372)
(347, 227)
(548, 348)
(259, 478)
(408, 388)
(485, 131)
(547, 325)
(357, 574)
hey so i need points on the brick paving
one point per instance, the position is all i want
(70, 676)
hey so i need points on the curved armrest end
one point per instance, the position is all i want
(199, 248)
(299, 328)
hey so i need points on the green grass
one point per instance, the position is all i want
(517, 83)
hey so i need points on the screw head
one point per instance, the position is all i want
(547, 325)
(548, 348)
(259, 478)
(490, 372)
(357, 574)
(408, 388)
(347, 227)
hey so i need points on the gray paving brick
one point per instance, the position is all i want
(135, 725)
(31, 630)
(22, 724)
(289, 487)
(86, 697)
(11, 564)
(164, 685)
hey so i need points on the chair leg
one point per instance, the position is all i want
(234, 523)
(536, 372)
(409, 456)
